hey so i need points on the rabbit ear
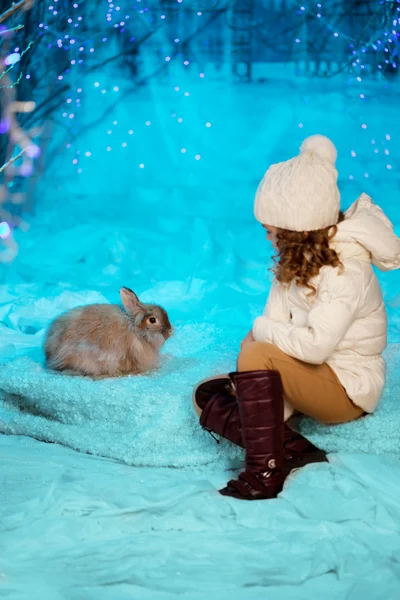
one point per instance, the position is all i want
(131, 302)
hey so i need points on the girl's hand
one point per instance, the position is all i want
(247, 340)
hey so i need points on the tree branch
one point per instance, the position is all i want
(12, 10)
(12, 160)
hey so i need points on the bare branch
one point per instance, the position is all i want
(12, 66)
(125, 53)
(12, 160)
(12, 30)
(7, 14)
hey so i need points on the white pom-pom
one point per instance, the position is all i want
(322, 146)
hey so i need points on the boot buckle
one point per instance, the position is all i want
(272, 464)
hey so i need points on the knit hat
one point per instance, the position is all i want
(301, 194)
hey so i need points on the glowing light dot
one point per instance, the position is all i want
(389, 167)
(336, 34)
(301, 125)
(176, 40)
(201, 75)
(69, 101)
(4, 230)
(115, 122)
(103, 91)
(163, 16)
(148, 123)
(141, 166)
(197, 157)
(124, 144)
(376, 150)
(11, 59)
(187, 94)
(116, 88)
(88, 153)
(353, 153)
(96, 84)
(167, 58)
(108, 148)
(297, 41)
(366, 175)
(176, 88)
(351, 177)
(180, 120)
(208, 124)
(364, 126)
(372, 141)
(75, 161)
(387, 152)
(362, 96)
(60, 77)
(387, 136)
(79, 90)
(130, 132)
(183, 150)
(71, 116)
(186, 62)
(199, 14)
(79, 170)
(91, 49)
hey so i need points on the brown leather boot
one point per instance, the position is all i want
(215, 396)
(259, 395)
(220, 414)
(299, 451)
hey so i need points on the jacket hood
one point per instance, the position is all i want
(367, 234)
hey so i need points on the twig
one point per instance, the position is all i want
(12, 30)
(12, 10)
(126, 52)
(12, 66)
(9, 162)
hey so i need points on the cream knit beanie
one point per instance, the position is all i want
(301, 194)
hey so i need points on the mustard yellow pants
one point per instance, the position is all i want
(313, 390)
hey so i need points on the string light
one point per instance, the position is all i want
(116, 21)
(5, 230)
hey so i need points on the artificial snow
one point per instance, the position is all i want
(135, 513)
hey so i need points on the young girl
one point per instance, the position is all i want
(317, 349)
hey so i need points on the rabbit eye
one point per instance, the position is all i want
(153, 320)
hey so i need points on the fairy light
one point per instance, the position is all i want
(4, 230)
(116, 23)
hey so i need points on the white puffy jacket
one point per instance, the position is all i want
(345, 323)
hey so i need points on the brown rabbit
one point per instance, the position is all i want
(104, 340)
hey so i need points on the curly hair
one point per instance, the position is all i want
(302, 254)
